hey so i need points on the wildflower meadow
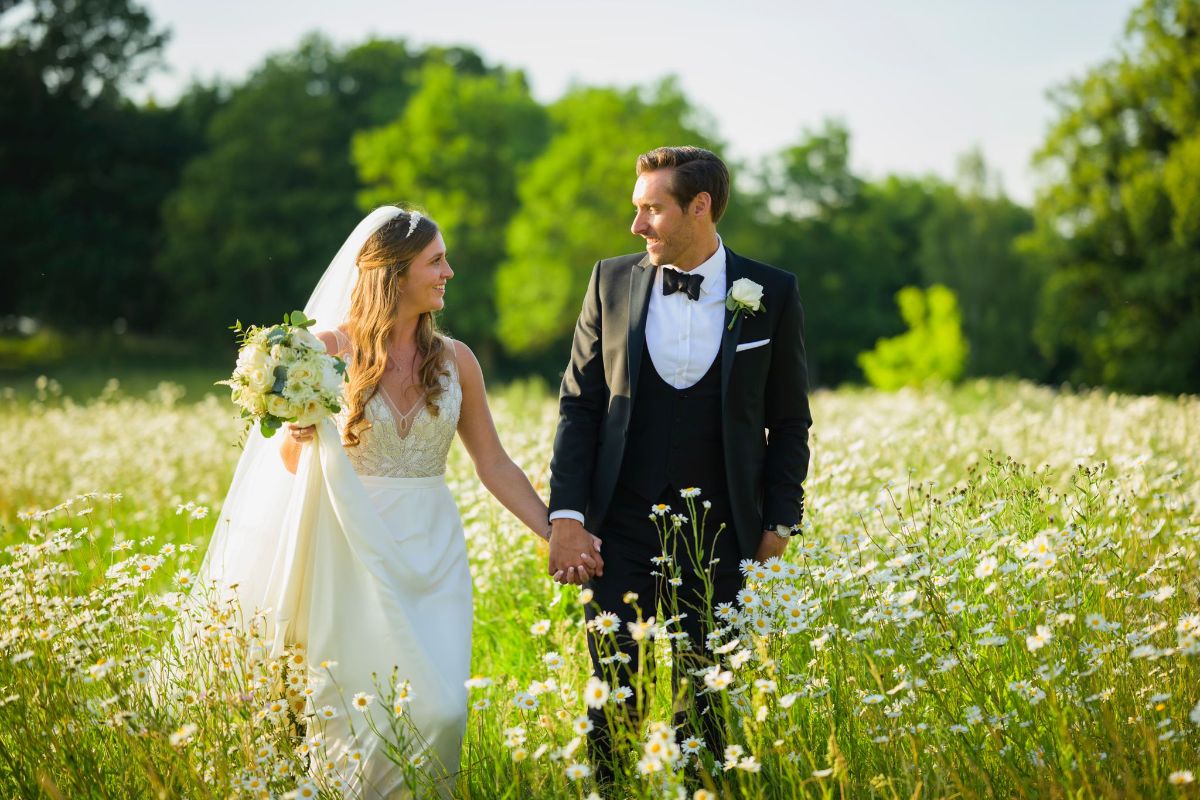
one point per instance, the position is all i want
(995, 594)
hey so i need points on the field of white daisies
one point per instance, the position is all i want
(996, 594)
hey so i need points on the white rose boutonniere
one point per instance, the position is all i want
(744, 295)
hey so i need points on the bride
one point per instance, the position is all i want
(349, 534)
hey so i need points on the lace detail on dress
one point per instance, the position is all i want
(421, 452)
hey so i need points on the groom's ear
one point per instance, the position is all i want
(701, 205)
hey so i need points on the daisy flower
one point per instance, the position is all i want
(1038, 640)
(525, 701)
(716, 679)
(605, 622)
(578, 772)
(596, 692)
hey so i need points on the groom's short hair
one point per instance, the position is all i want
(696, 170)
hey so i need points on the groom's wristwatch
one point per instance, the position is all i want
(786, 532)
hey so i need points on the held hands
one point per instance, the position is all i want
(574, 553)
(301, 435)
(772, 546)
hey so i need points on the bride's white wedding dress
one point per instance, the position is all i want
(386, 583)
(359, 557)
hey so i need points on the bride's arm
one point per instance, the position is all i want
(294, 438)
(502, 477)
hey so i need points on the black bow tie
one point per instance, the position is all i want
(676, 281)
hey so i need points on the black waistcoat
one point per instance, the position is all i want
(674, 435)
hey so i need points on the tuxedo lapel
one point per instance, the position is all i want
(734, 269)
(641, 281)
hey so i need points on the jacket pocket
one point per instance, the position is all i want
(752, 345)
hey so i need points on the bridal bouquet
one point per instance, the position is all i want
(283, 374)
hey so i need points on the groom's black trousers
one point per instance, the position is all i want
(630, 542)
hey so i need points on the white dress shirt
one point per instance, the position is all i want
(683, 335)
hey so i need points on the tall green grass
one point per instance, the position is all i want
(996, 595)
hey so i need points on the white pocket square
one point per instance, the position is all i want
(752, 345)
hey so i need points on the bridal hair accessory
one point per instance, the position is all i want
(414, 217)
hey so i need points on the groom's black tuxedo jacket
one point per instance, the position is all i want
(764, 391)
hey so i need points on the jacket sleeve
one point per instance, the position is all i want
(788, 418)
(582, 401)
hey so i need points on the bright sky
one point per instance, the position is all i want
(918, 83)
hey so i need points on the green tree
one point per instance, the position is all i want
(813, 177)
(851, 243)
(456, 151)
(970, 243)
(82, 170)
(83, 51)
(575, 205)
(932, 349)
(259, 214)
(1119, 220)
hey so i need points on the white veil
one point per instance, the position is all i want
(253, 551)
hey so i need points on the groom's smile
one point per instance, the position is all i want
(681, 237)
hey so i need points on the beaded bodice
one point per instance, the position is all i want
(419, 451)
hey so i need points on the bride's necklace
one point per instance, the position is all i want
(403, 418)
(393, 363)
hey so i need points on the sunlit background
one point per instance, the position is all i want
(993, 213)
(963, 189)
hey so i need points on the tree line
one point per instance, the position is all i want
(228, 203)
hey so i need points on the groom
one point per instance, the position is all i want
(668, 389)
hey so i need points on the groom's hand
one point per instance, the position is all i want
(772, 546)
(574, 553)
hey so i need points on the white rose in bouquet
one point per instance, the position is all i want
(249, 358)
(302, 371)
(260, 378)
(309, 340)
(255, 402)
(282, 353)
(279, 406)
(311, 413)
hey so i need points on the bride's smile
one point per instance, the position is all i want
(424, 284)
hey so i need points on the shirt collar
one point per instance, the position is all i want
(713, 270)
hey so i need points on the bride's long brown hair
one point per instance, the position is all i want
(382, 262)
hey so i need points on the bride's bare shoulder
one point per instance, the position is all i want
(457, 351)
(335, 340)
(465, 361)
